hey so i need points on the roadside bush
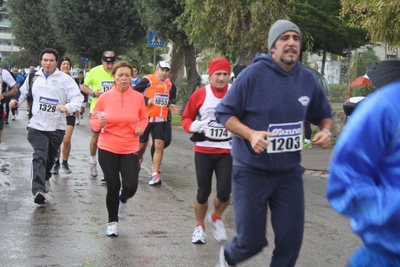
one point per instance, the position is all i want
(339, 92)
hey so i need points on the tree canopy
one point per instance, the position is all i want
(93, 26)
(87, 28)
(237, 28)
(379, 17)
(31, 27)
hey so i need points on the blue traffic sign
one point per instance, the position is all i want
(154, 40)
(85, 60)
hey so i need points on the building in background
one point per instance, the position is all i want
(7, 46)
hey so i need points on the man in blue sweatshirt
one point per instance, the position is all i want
(265, 110)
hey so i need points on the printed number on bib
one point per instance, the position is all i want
(47, 104)
(288, 137)
(216, 131)
(161, 99)
(106, 85)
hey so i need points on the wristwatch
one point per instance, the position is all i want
(93, 94)
(4, 94)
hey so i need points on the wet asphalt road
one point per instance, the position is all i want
(70, 229)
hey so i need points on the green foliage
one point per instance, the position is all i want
(322, 29)
(339, 92)
(365, 60)
(236, 28)
(32, 26)
(23, 59)
(93, 26)
(156, 15)
(182, 90)
(141, 56)
(362, 90)
(176, 120)
(86, 28)
(379, 17)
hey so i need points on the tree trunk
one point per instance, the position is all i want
(177, 64)
(323, 62)
(247, 56)
(194, 80)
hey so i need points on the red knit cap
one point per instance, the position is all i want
(218, 63)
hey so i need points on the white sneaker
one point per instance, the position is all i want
(222, 262)
(122, 210)
(93, 169)
(218, 228)
(13, 118)
(78, 122)
(47, 186)
(307, 143)
(155, 180)
(112, 229)
(199, 236)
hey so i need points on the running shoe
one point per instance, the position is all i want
(155, 179)
(39, 198)
(56, 168)
(6, 122)
(13, 118)
(222, 262)
(93, 169)
(199, 236)
(27, 113)
(307, 143)
(122, 210)
(81, 116)
(218, 228)
(66, 168)
(47, 186)
(78, 122)
(112, 229)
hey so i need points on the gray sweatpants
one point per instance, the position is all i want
(45, 146)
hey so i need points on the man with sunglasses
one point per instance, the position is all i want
(98, 81)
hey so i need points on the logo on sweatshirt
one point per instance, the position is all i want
(304, 100)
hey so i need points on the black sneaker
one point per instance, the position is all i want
(39, 198)
(56, 168)
(65, 167)
(6, 122)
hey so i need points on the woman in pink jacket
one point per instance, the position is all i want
(120, 117)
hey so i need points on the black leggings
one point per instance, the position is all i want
(206, 164)
(112, 165)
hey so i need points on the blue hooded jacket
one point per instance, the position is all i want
(264, 94)
(364, 180)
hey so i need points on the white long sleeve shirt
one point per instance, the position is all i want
(48, 93)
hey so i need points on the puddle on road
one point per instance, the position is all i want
(4, 168)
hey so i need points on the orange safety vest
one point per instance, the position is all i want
(160, 92)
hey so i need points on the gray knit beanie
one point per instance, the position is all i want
(279, 28)
(5, 64)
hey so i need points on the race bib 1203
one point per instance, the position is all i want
(288, 137)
